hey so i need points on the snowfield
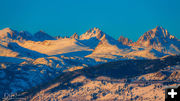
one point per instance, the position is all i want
(55, 47)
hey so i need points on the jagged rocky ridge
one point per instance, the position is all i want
(125, 41)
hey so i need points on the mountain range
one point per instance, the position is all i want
(157, 40)
(29, 60)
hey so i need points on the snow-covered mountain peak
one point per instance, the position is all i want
(11, 34)
(94, 32)
(159, 39)
(7, 29)
(40, 32)
(26, 35)
(96, 29)
(159, 27)
(8, 33)
(158, 36)
(41, 36)
(160, 31)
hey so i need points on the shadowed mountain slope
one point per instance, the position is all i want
(114, 70)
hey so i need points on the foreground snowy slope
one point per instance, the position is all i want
(18, 74)
(143, 80)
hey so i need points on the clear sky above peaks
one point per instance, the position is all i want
(130, 18)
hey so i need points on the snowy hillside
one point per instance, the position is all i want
(56, 47)
(143, 80)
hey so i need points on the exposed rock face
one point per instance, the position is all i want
(125, 41)
(9, 33)
(94, 32)
(41, 36)
(160, 39)
(102, 42)
(75, 36)
(155, 37)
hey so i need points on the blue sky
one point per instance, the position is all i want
(130, 18)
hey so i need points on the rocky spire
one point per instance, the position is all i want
(125, 41)
(75, 36)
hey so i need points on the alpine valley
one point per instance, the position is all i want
(92, 66)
